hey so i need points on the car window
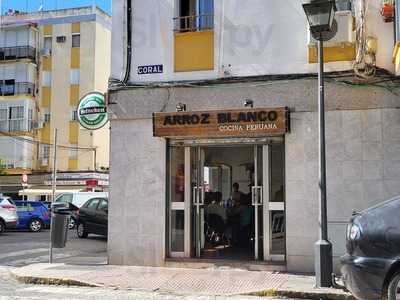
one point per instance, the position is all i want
(92, 204)
(25, 207)
(103, 205)
(65, 198)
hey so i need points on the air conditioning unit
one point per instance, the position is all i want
(61, 39)
(345, 32)
(46, 52)
(37, 124)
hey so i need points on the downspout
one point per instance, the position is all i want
(128, 41)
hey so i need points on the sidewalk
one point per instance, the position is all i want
(221, 281)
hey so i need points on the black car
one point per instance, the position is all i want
(92, 217)
(371, 266)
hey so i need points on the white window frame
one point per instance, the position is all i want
(17, 119)
(72, 40)
(48, 46)
(74, 115)
(46, 78)
(46, 117)
(4, 119)
(75, 76)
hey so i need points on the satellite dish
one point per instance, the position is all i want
(326, 35)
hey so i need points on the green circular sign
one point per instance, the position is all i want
(92, 111)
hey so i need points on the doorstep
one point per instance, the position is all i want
(249, 265)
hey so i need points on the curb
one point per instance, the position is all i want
(303, 295)
(53, 281)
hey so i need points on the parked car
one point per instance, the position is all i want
(8, 214)
(77, 199)
(92, 217)
(371, 265)
(32, 215)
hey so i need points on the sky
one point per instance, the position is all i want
(34, 5)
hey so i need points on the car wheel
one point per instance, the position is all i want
(393, 288)
(2, 226)
(71, 224)
(35, 225)
(81, 231)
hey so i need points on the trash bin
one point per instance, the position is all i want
(59, 227)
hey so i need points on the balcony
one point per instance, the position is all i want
(194, 23)
(17, 52)
(19, 88)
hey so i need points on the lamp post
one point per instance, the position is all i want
(320, 15)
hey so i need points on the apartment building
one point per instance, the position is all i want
(48, 61)
(215, 102)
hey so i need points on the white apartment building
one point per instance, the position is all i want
(206, 94)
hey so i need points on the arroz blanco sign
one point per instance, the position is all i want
(92, 111)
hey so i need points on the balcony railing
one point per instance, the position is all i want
(19, 88)
(17, 52)
(193, 23)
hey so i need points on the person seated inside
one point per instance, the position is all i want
(216, 208)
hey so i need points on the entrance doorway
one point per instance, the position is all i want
(227, 201)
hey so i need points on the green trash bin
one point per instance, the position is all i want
(59, 227)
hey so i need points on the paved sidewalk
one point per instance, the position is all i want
(220, 281)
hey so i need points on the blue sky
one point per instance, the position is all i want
(33, 5)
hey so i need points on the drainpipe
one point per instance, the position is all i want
(128, 41)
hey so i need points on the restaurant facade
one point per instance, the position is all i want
(214, 154)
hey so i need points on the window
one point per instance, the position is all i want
(17, 118)
(45, 151)
(64, 198)
(343, 4)
(74, 115)
(25, 207)
(30, 117)
(47, 43)
(195, 15)
(47, 117)
(76, 40)
(3, 119)
(7, 87)
(75, 76)
(92, 204)
(103, 205)
(46, 78)
(73, 152)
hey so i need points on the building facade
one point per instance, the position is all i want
(49, 60)
(214, 134)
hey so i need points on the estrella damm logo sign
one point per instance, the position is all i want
(92, 111)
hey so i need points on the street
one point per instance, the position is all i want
(19, 248)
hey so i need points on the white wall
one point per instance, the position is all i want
(255, 37)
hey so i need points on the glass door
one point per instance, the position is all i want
(197, 197)
(257, 201)
(274, 242)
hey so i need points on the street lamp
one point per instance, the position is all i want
(320, 15)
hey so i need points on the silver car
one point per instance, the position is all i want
(8, 214)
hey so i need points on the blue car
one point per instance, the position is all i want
(32, 215)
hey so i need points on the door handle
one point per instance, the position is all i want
(253, 195)
(195, 195)
(257, 195)
(201, 195)
(261, 196)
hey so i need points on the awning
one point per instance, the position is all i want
(44, 192)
